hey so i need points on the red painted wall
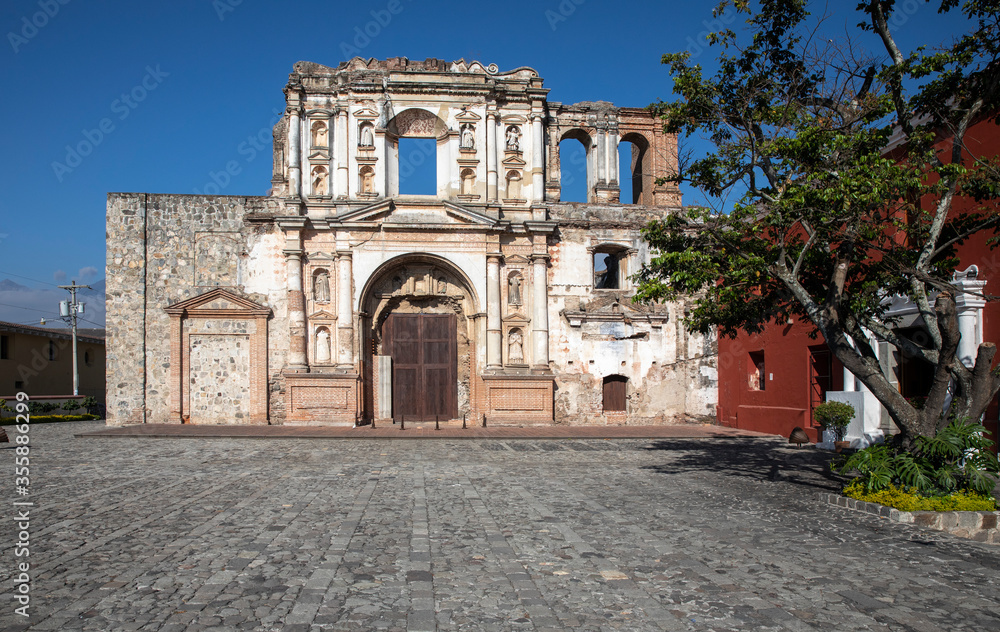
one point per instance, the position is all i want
(784, 403)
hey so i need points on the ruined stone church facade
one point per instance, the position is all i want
(336, 300)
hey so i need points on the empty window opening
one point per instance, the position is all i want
(52, 350)
(88, 358)
(634, 175)
(573, 173)
(417, 166)
(614, 393)
(4, 348)
(609, 268)
(757, 378)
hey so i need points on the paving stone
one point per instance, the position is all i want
(565, 534)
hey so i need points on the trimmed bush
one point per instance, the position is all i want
(48, 419)
(904, 500)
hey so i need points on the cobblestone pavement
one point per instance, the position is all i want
(298, 534)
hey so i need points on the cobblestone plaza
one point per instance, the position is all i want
(572, 534)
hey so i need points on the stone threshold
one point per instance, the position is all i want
(980, 526)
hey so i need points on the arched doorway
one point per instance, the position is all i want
(419, 336)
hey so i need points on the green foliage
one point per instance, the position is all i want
(813, 221)
(40, 408)
(904, 500)
(956, 458)
(48, 419)
(70, 405)
(835, 415)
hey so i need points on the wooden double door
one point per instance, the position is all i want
(424, 365)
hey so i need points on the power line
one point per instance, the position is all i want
(21, 276)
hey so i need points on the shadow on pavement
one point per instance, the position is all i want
(763, 460)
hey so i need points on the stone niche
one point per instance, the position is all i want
(218, 360)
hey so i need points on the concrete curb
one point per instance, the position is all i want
(980, 526)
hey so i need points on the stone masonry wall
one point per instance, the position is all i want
(163, 249)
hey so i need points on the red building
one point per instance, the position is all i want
(772, 381)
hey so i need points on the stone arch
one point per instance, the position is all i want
(640, 170)
(417, 283)
(584, 137)
(415, 123)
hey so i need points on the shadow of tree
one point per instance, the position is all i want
(759, 459)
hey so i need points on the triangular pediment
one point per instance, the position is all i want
(218, 301)
(516, 259)
(421, 213)
(319, 154)
(366, 113)
(465, 115)
(322, 315)
(514, 162)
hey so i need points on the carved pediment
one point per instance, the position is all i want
(319, 154)
(322, 315)
(516, 259)
(366, 114)
(465, 116)
(218, 302)
(615, 308)
(514, 119)
(514, 161)
(417, 214)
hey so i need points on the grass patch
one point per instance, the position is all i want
(909, 501)
(49, 419)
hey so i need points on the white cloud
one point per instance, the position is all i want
(59, 276)
(90, 272)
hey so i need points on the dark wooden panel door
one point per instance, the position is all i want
(614, 393)
(424, 365)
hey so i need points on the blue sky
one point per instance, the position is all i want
(166, 93)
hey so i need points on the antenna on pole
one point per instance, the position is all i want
(68, 311)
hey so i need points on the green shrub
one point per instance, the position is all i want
(836, 416)
(47, 419)
(956, 459)
(70, 405)
(909, 501)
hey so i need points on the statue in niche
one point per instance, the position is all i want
(366, 137)
(515, 351)
(468, 137)
(514, 289)
(319, 134)
(323, 347)
(442, 285)
(513, 138)
(321, 288)
(319, 181)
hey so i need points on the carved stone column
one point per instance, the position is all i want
(602, 156)
(343, 140)
(345, 311)
(540, 312)
(612, 153)
(537, 159)
(294, 153)
(297, 359)
(491, 156)
(494, 333)
(969, 303)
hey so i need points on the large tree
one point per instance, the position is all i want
(845, 165)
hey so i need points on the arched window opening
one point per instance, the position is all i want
(610, 268)
(756, 372)
(574, 166)
(52, 350)
(417, 166)
(88, 358)
(615, 387)
(366, 181)
(635, 181)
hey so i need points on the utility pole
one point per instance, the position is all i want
(68, 311)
